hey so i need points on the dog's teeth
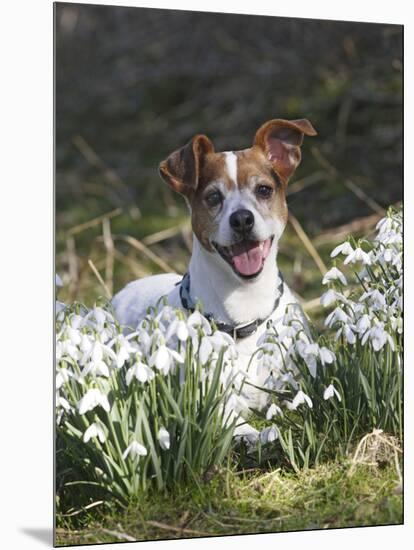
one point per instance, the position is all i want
(261, 245)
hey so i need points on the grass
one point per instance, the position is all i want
(234, 503)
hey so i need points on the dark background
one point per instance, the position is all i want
(133, 84)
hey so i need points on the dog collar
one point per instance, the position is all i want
(236, 331)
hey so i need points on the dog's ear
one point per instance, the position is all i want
(181, 170)
(281, 140)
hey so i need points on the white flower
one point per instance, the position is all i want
(379, 337)
(179, 328)
(308, 352)
(328, 297)
(140, 371)
(163, 359)
(358, 255)
(93, 398)
(385, 224)
(363, 324)
(375, 299)
(346, 330)
(62, 377)
(268, 435)
(63, 403)
(135, 449)
(164, 438)
(94, 430)
(198, 320)
(332, 275)
(74, 336)
(397, 324)
(344, 248)
(337, 314)
(330, 392)
(272, 411)
(300, 398)
(125, 349)
(206, 349)
(70, 350)
(326, 355)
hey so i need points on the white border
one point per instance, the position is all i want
(26, 272)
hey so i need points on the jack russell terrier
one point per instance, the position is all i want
(238, 213)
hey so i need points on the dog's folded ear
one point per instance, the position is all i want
(181, 170)
(281, 140)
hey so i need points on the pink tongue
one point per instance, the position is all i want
(248, 258)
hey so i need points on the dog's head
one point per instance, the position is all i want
(237, 199)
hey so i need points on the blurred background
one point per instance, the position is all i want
(134, 84)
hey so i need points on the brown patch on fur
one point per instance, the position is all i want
(202, 219)
(281, 141)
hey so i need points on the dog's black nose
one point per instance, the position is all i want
(242, 221)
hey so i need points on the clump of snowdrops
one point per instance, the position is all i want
(158, 406)
(329, 389)
(153, 407)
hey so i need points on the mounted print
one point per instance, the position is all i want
(229, 330)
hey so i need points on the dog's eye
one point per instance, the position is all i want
(213, 199)
(264, 191)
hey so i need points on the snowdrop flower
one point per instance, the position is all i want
(358, 255)
(62, 377)
(328, 297)
(272, 411)
(135, 449)
(385, 224)
(198, 320)
(124, 351)
(74, 336)
(344, 248)
(326, 355)
(179, 328)
(220, 340)
(348, 333)
(164, 439)
(299, 399)
(375, 299)
(93, 398)
(363, 324)
(308, 352)
(337, 314)
(397, 324)
(268, 435)
(99, 316)
(379, 337)
(163, 359)
(86, 344)
(63, 403)
(332, 275)
(94, 430)
(330, 391)
(205, 350)
(140, 371)
(70, 350)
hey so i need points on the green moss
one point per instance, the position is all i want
(236, 502)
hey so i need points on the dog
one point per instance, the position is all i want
(237, 203)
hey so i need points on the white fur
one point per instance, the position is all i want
(231, 165)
